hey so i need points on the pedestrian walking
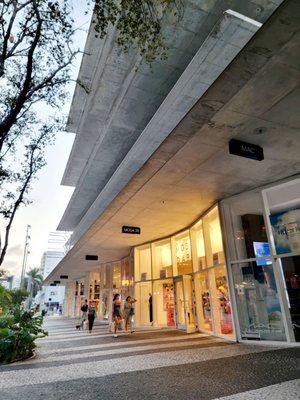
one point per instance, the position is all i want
(84, 310)
(91, 317)
(128, 313)
(117, 318)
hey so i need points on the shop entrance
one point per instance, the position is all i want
(184, 303)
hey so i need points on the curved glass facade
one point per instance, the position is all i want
(181, 281)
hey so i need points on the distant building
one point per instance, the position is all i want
(7, 282)
(50, 297)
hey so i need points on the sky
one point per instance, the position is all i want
(49, 198)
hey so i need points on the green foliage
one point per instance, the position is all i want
(138, 23)
(18, 296)
(5, 299)
(18, 331)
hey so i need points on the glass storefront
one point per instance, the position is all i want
(163, 303)
(184, 281)
(187, 280)
(257, 299)
(263, 242)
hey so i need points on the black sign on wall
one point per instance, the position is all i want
(90, 257)
(247, 150)
(134, 230)
(64, 276)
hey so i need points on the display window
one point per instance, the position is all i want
(143, 312)
(258, 305)
(105, 276)
(104, 304)
(116, 270)
(163, 303)
(213, 238)
(203, 301)
(182, 256)
(222, 309)
(198, 247)
(142, 261)
(162, 259)
(291, 272)
(249, 228)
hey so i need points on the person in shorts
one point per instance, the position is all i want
(117, 317)
(128, 313)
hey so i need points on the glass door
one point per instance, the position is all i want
(184, 304)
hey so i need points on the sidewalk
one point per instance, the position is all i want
(160, 364)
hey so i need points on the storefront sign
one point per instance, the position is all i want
(135, 230)
(286, 231)
(89, 257)
(244, 149)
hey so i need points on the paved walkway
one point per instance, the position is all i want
(149, 365)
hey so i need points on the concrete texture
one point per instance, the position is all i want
(124, 94)
(195, 366)
(191, 169)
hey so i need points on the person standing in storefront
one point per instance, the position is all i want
(91, 317)
(150, 309)
(84, 310)
(117, 318)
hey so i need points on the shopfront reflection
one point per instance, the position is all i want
(257, 299)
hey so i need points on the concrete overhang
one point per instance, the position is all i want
(255, 99)
(122, 98)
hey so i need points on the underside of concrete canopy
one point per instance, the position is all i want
(255, 99)
(119, 95)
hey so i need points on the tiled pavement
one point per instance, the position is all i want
(155, 364)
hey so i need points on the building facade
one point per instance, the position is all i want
(50, 297)
(186, 176)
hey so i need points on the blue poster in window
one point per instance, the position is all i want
(286, 231)
(262, 249)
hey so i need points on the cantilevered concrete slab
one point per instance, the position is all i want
(124, 95)
(222, 45)
(255, 99)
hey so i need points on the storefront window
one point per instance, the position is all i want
(213, 238)
(182, 259)
(162, 260)
(126, 278)
(116, 275)
(203, 301)
(259, 310)
(198, 247)
(222, 310)
(249, 227)
(163, 303)
(291, 272)
(143, 263)
(142, 306)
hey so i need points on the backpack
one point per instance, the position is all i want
(92, 313)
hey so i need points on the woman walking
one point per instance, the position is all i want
(116, 313)
(128, 313)
(91, 317)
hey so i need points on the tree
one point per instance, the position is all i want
(36, 55)
(3, 273)
(5, 299)
(138, 23)
(35, 281)
(35, 59)
(18, 296)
